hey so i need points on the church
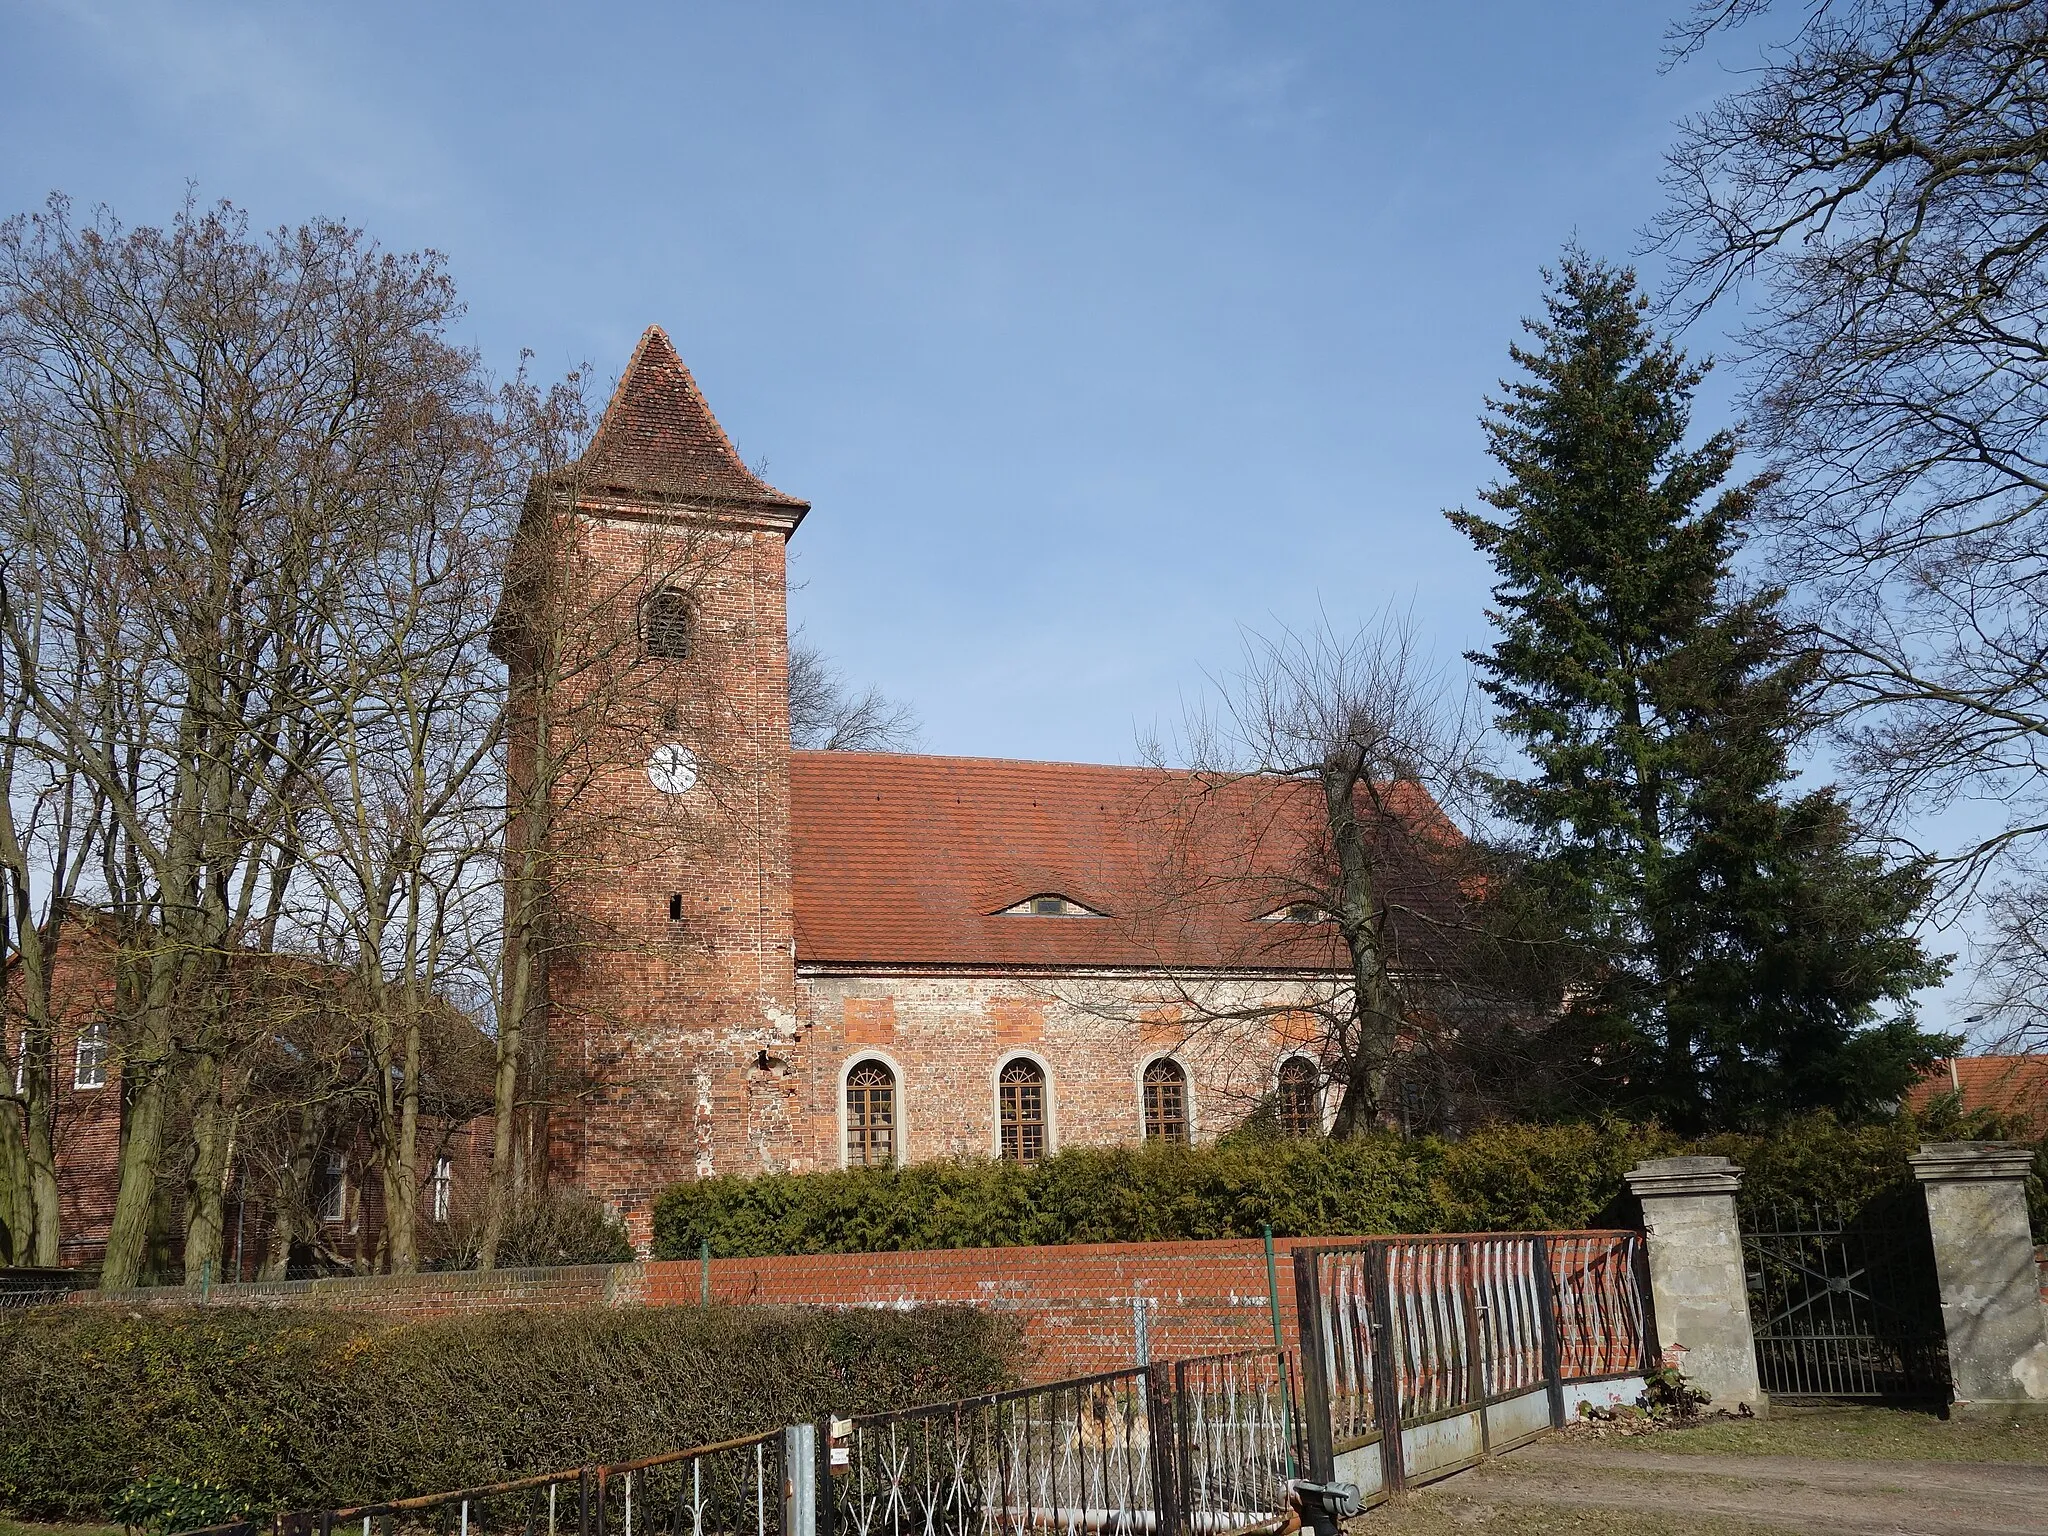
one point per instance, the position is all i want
(758, 958)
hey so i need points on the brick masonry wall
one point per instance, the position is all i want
(87, 1143)
(946, 1037)
(679, 1040)
(86, 1122)
(668, 1037)
(1078, 1304)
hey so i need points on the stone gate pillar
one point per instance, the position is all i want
(1984, 1256)
(1696, 1279)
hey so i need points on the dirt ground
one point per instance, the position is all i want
(1868, 1470)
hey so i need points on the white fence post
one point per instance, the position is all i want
(800, 1480)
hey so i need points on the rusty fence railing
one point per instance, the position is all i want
(1204, 1447)
(1422, 1355)
(732, 1488)
(1077, 1456)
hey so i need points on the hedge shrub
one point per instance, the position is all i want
(296, 1409)
(1500, 1179)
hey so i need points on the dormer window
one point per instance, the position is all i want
(665, 625)
(1298, 912)
(1050, 904)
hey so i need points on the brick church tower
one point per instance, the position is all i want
(668, 1015)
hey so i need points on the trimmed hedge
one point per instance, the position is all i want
(1501, 1179)
(295, 1409)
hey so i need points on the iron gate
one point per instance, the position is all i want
(1846, 1304)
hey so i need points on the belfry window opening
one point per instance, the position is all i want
(665, 625)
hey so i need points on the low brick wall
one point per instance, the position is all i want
(1080, 1305)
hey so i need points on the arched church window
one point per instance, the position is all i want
(665, 625)
(1299, 1112)
(1020, 1110)
(870, 1116)
(1166, 1101)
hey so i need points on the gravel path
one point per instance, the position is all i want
(1560, 1486)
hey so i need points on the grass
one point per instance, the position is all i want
(1858, 1434)
(29, 1528)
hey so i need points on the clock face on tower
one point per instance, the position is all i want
(671, 768)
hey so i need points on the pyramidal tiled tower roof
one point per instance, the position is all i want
(659, 438)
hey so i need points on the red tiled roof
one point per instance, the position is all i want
(658, 437)
(2007, 1085)
(910, 860)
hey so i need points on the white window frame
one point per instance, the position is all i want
(333, 1209)
(89, 1062)
(441, 1188)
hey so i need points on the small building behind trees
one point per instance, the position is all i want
(303, 1193)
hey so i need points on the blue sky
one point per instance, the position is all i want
(1092, 331)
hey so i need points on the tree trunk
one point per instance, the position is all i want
(400, 1161)
(206, 1178)
(45, 1208)
(17, 1218)
(142, 1132)
(294, 1189)
(498, 1190)
(36, 948)
(1376, 1009)
(146, 1083)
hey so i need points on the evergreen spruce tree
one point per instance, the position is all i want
(1751, 956)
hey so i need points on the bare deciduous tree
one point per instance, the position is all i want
(1324, 778)
(248, 438)
(1876, 189)
(825, 714)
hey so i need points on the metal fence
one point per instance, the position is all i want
(733, 1488)
(1076, 1455)
(1422, 1355)
(1600, 1289)
(1846, 1304)
(1237, 1454)
(1203, 1446)
(1419, 1356)
(41, 1287)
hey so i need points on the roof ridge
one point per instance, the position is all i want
(658, 436)
(835, 755)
